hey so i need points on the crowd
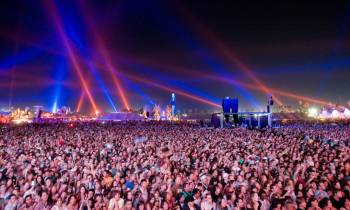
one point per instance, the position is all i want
(160, 166)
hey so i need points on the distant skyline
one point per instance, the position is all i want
(114, 54)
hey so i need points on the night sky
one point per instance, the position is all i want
(201, 50)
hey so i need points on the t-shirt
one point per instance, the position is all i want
(130, 185)
(216, 197)
(337, 203)
(11, 207)
(113, 203)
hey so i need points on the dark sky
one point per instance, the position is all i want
(198, 49)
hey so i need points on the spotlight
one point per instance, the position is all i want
(54, 107)
(312, 112)
(347, 112)
(335, 114)
(324, 114)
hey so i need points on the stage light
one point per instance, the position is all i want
(312, 112)
(324, 114)
(335, 114)
(54, 107)
(103, 50)
(347, 112)
(80, 102)
(102, 85)
(58, 86)
(71, 54)
(86, 56)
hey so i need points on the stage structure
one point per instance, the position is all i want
(230, 109)
(269, 110)
(230, 116)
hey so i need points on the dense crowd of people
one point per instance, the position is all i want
(160, 166)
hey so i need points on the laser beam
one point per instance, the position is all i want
(80, 102)
(170, 89)
(277, 92)
(226, 52)
(73, 58)
(105, 54)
